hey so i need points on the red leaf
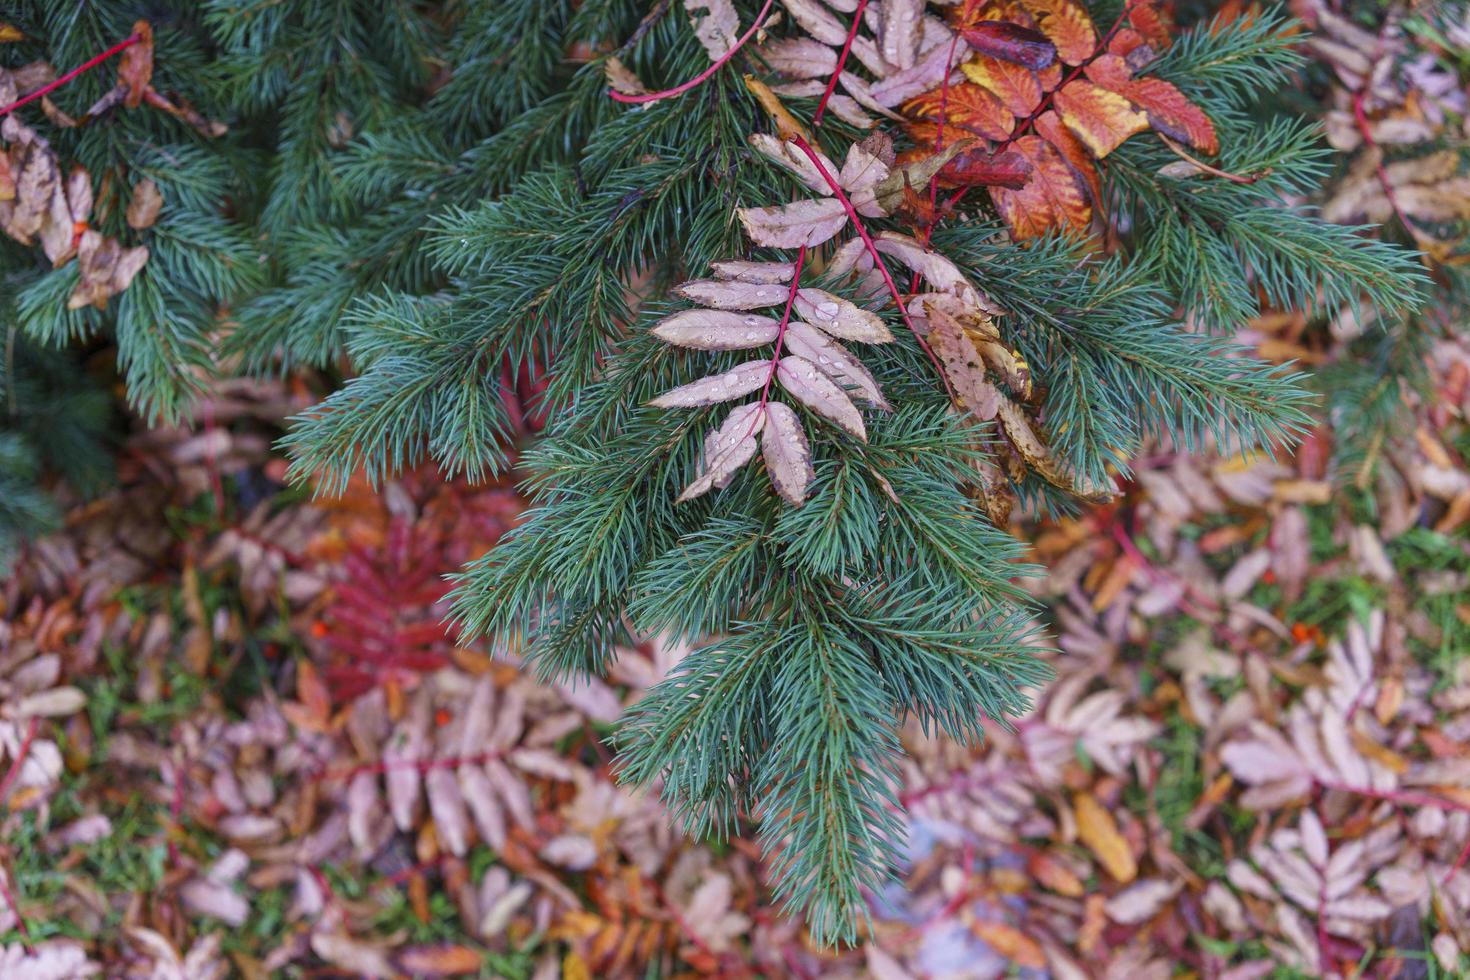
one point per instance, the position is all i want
(1054, 199)
(980, 168)
(1067, 25)
(1050, 126)
(1018, 89)
(967, 106)
(1168, 110)
(1152, 22)
(1011, 42)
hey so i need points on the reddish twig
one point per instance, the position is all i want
(1360, 116)
(857, 19)
(125, 43)
(14, 903)
(702, 76)
(20, 757)
(857, 222)
(781, 331)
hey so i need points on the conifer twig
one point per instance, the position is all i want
(719, 63)
(88, 65)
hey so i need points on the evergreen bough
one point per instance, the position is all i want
(446, 195)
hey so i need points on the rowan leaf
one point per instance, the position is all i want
(841, 318)
(721, 294)
(716, 25)
(1067, 25)
(898, 31)
(726, 450)
(808, 385)
(145, 205)
(833, 360)
(1017, 88)
(757, 272)
(1054, 199)
(816, 20)
(1167, 108)
(739, 380)
(1102, 119)
(785, 154)
(135, 67)
(716, 330)
(810, 222)
(981, 168)
(967, 108)
(1051, 128)
(942, 275)
(1010, 42)
(106, 269)
(787, 453)
(1097, 829)
(962, 362)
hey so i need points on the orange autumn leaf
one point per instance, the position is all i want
(1152, 23)
(967, 107)
(1101, 118)
(1017, 88)
(1097, 829)
(1049, 125)
(1053, 199)
(1167, 109)
(1067, 25)
(1011, 943)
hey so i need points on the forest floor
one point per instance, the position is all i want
(236, 739)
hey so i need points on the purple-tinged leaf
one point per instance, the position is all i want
(716, 330)
(787, 453)
(800, 223)
(833, 360)
(760, 272)
(816, 391)
(840, 318)
(739, 380)
(727, 449)
(722, 294)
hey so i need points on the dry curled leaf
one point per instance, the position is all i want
(145, 205)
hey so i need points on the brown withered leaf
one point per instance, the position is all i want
(808, 385)
(839, 317)
(739, 380)
(962, 363)
(716, 330)
(106, 269)
(726, 450)
(722, 294)
(145, 205)
(809, 222)
(716, 24)
(787, 454)
(835, 361)
(135, 67)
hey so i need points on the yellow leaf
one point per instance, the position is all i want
(1099, 831)
(573, 967)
